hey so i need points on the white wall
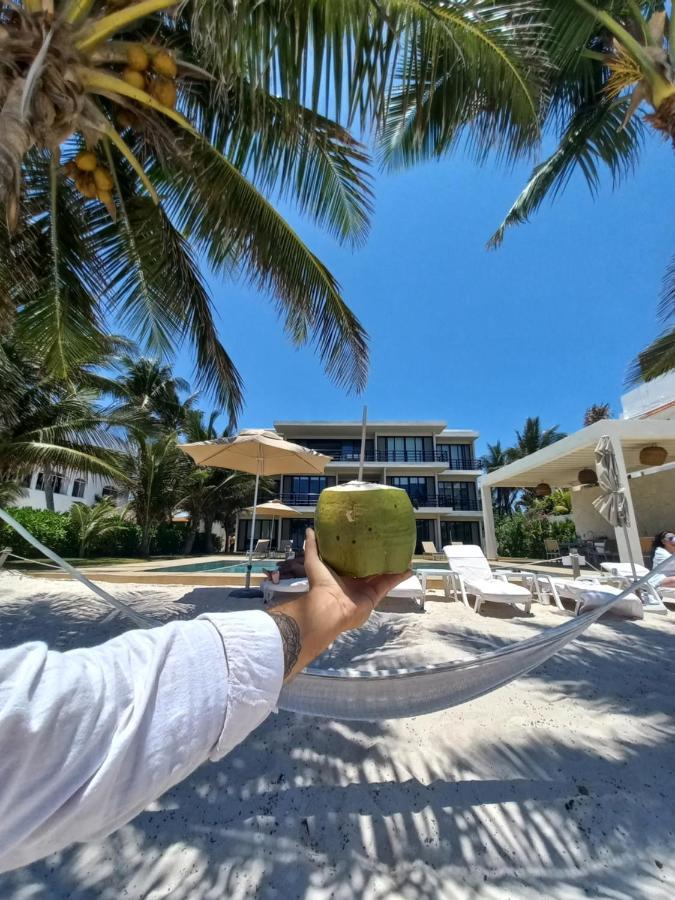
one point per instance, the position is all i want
(653, 499)
(586, 519)
(62, 502)
(654, 395)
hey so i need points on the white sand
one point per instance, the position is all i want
(560, 785)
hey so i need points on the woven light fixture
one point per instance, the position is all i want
(542, 489)
(587, 476)
(653, 455)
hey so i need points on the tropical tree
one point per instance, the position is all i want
(503, 498)
(596, 413)
(53, 427)
(148, 390)
(533, 437)
(156, 469)
(116, 124)
(608, 59)
(93, 523)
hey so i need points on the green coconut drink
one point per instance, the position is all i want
(365, 529)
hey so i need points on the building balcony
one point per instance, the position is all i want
(407, 456)
(428, 501)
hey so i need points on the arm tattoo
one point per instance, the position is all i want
(290, 638)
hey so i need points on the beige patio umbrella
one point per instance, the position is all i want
(259, 452)
(274, 509)
(612, 504)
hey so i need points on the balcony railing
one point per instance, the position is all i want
(407, 456)
(419, 502)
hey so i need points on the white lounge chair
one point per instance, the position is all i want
(429, 551)
(652, 595)
(586, 593)
(261, 548)
(470, 573)
(413, 588)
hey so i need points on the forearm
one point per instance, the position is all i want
(308, 625)
(88, 738)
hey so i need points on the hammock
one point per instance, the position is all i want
(398, 693)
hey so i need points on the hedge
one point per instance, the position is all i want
(56, 532)
(520, 535)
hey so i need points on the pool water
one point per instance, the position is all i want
(257, 567)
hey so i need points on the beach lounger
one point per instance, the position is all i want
(586, 593)
(412, 588)
(653, 596)
(470, 573)
(429, 551)
(261, 548)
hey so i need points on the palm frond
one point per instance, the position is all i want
(466, 70)
(594, 136)
(657, 359)
(237, 228)
(291, 152)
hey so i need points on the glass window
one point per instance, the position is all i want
(78, 487)
(109, 491)
(457, 455)
(418, 488)
(56, 479)
(466, 532)
(460, 494)
(426, 531)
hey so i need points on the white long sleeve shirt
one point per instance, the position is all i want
(89, 737)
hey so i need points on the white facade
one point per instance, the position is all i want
(435, 465)
(654, 399)
(70, 489)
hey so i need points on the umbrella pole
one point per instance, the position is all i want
(630, 552)
(249, 565)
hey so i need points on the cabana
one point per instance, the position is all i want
(645, 455)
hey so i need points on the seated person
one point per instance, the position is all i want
(288, 568)
(662, 548)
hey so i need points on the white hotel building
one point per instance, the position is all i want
(435, 465)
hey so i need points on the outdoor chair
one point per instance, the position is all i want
(552, 548)
(261, 548)
(429, 551)
(470, 573)
(586, 593)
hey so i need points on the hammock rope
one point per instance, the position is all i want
(351, 694)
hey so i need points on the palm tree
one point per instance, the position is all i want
(156, 470)
(596, 413)
(608, 59)
(54, 427)
(93, 523)
(503, 498)
(148, 389)
(533, 437)
(116, 124)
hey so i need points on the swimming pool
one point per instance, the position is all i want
(257, 567)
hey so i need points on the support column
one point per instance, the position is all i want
(488, 522)
(628, 539)
(438, 533)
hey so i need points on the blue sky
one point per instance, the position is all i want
(481, 339)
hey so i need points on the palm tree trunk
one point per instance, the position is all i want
(145, 539)
(49, 487)
(190, 536)
(208, 534)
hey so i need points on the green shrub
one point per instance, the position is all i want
(520, 535)
(200, 544)
(124, 541)
(53, 529)
(168, 539)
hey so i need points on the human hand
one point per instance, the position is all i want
(353, 598)
(333, 604)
